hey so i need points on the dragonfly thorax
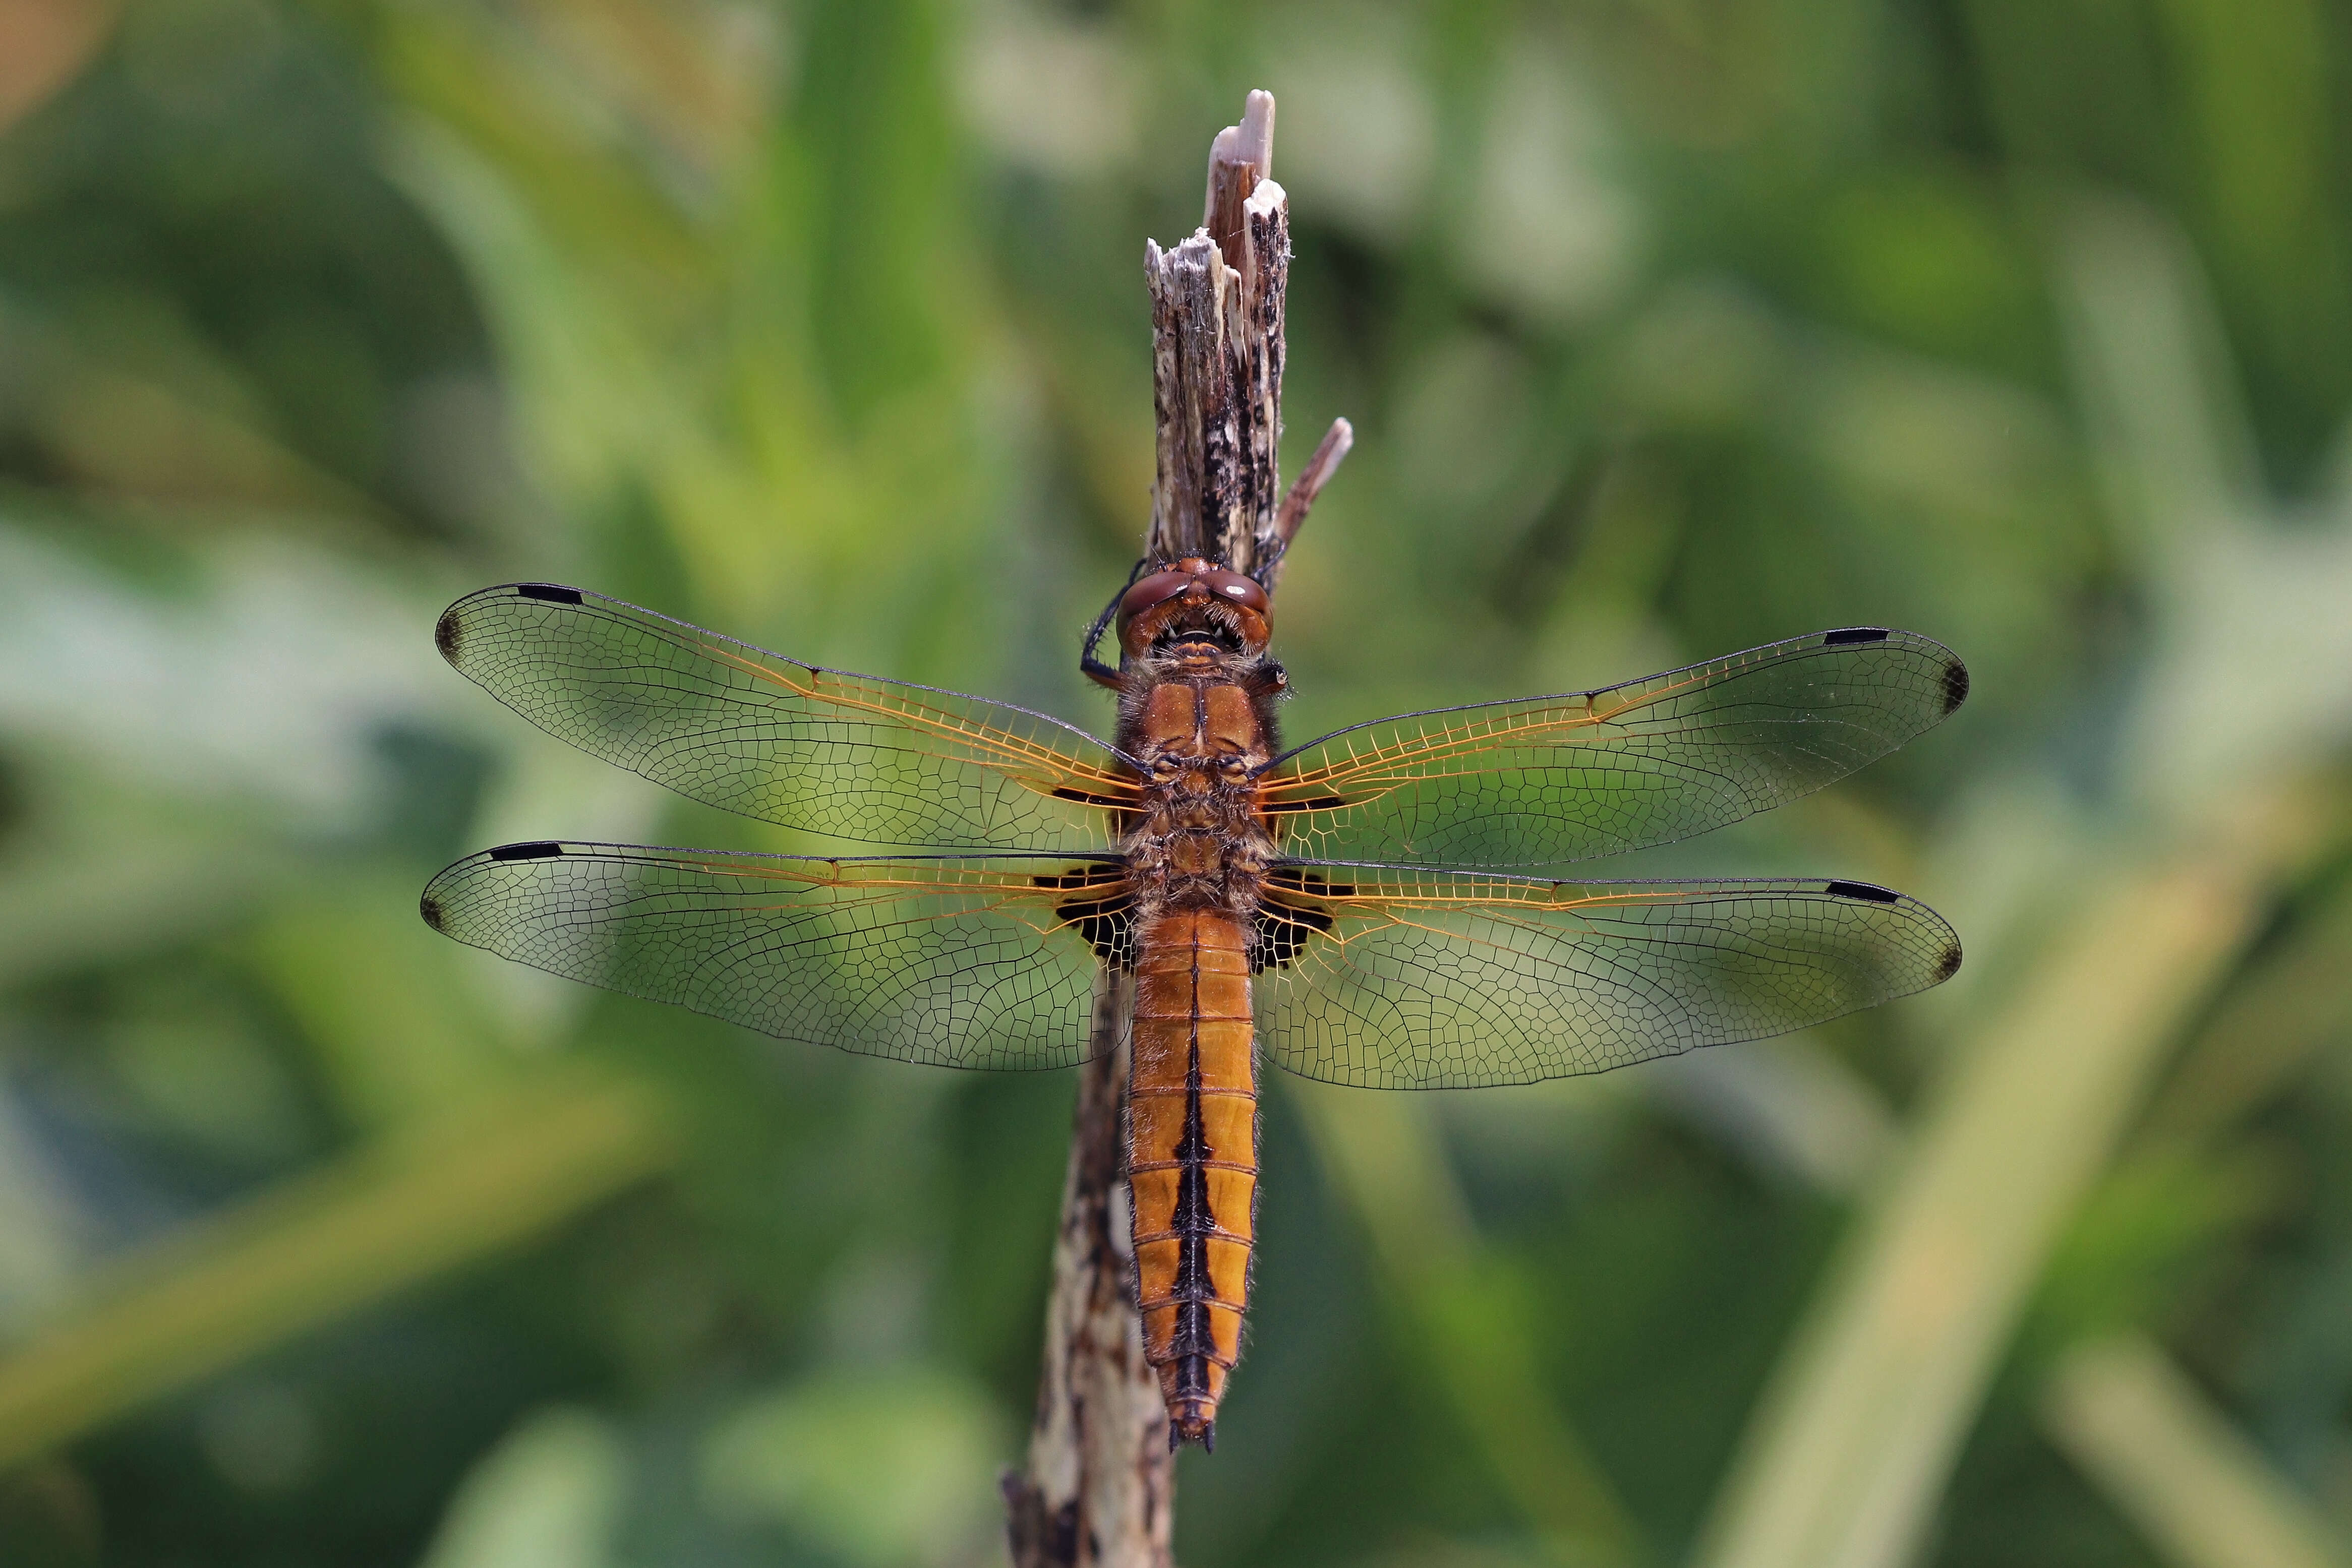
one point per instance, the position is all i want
(1197, 719)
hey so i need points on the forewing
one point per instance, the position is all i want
(1548, 781)
(958, 963)
(1397, 978)
(853, 756)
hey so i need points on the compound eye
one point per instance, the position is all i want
(1233, 585)
(1156, 589)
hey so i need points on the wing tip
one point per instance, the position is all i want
(449, 637)
(436, 913)
(449, 632)
(1948, 956)
(1953, 680)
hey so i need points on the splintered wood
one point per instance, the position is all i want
(1217, 362)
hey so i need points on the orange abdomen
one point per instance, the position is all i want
(1192, 1156)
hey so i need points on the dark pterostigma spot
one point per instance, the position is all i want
(1956, 686)
(1853, 634)
(449, 636)
(550, 592)
(430, 907)
(1948, 964)
(549, 849)
(1863, 891)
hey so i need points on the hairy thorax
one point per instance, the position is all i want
(1198, 717)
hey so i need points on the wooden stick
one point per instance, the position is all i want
(1324, 463)
(1100, 1486)
(1100, 1490)
(1217, 303)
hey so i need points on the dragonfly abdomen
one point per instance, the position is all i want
(1192, 1156)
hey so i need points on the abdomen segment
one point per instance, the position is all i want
(1192, 1157)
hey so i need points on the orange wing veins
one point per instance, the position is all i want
(1038, 768)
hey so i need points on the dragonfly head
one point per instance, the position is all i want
(1192, 596)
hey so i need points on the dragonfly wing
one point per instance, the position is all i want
(853, 756)
(975, 963)
(1400, 979)
(1547, 780)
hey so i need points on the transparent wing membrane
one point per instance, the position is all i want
(1548, 781)
(955, 963)
(1405, 978)
(1375, 966)
(853, 756)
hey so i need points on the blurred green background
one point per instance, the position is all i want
(1668, 327)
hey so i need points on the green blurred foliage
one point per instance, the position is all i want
(1666, 328)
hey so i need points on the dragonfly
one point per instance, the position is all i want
(1380, 907)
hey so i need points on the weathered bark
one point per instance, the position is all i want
(1099, 1489)
(1217, 360)
(1100, 1485)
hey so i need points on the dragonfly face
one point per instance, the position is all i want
(1195, 604)
(1370, 908)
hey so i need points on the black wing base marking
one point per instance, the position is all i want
(1104, 916)
(1288, 916)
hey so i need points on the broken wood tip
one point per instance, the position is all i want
(1239, 158)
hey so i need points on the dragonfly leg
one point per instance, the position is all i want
(1094, 669)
